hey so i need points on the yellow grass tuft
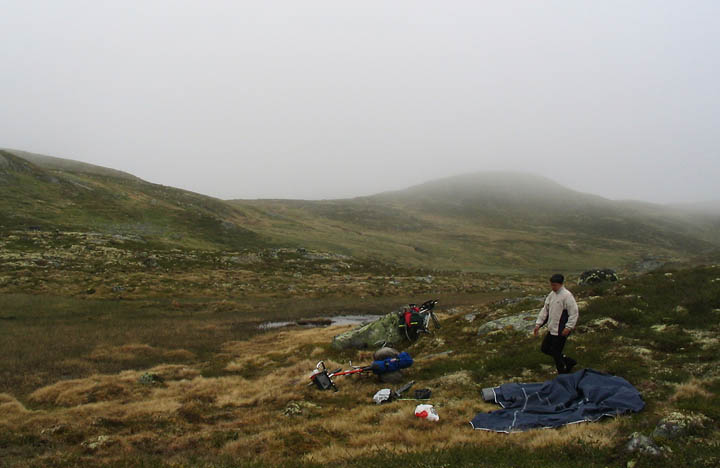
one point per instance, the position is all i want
(10, 406)
(693, 388)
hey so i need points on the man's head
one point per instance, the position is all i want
(556, 282)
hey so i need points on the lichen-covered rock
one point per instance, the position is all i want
(598, 276)
(99, 442)
(299, 408)
(150, 378)
(639, 443)
(678, 424)
(523, 322)
(370, 335)
(601, 324)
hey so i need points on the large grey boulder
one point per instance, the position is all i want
(523, 322)
(370, 335)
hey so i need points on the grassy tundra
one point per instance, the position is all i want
(234, 399)
(129, 317)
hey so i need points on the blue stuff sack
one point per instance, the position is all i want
(402, 361)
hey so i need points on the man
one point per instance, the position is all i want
(560, 312)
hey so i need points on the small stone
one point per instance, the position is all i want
(469, 317)
(299, 408)
(150, 378)
(56, 429)
(639, 443)
(100, 441)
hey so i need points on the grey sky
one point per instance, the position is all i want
(324, 99)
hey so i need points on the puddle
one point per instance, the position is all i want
(322, 322)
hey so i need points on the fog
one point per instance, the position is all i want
(327, 99)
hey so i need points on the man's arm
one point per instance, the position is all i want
(542, 316)
(573, 313)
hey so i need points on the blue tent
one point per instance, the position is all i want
(584, 396)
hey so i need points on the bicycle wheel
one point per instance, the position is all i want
(435, 320)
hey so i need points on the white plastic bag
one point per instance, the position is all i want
(382, 396)
(426, 412)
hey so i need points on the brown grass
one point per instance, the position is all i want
(694, 388)
(241, 415)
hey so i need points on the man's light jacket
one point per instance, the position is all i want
(559, 311)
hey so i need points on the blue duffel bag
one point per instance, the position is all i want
(401, 361)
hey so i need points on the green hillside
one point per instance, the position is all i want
(488, 222)
(55, 194)
(497, 222)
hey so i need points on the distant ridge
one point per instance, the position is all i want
(53, 163)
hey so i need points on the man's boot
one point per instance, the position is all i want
(569, 364)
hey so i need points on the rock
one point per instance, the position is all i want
(678, 424)
(639, 443)
(524, 322)
(601, 324)
(385, 353)
(56, 429)
(299, 408)
(245, 259)
(598, 276)
(469, 317)
(150, 378)
(94, 444)
(370, 335)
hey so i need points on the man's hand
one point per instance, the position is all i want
(535, 332)
(566, 331)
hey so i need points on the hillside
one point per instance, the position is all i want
(45, 193)
(499, 222)
(488, 222)
(68, 165)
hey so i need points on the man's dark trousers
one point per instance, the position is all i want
(553, 346)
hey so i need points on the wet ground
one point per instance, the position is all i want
(322, 322)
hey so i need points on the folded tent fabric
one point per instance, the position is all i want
(584, 396)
